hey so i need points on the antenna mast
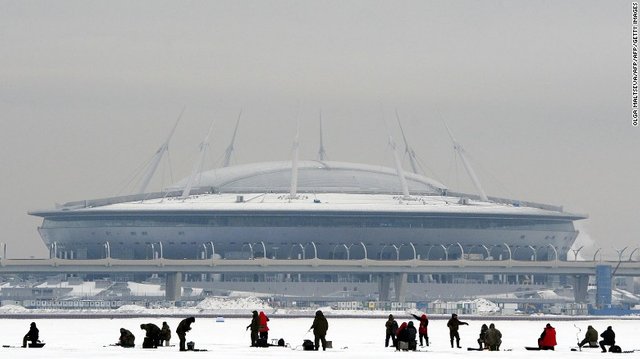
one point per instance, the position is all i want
(155, 161)
(407, 148)
(322, 155)
(229, 150)
(467, 166)
(198, 165)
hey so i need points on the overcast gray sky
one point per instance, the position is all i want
(539, 93)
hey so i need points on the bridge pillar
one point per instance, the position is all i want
(603, 286)
(580, 284)
(400, 286)
(384, 283)
(173, 286)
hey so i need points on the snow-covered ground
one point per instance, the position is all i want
(352, 338)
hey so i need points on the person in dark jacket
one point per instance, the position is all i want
(547, 340)
(183, 328)
(263, 329)
(31, 336)
(391, 328)
(411, 335)
(608, 338)
(127, 339)
(493, 338)
(483, 336)
(320, 327)
(165, 334)
(590, 338)
(454, 324)
(422, 328)
(152, 332)
(254, 326)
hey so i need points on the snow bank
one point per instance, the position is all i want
(11, 308)
(131, 308)
(217, 303)
(484, 306)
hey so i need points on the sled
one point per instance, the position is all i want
(535, 348)
(32, 345)
(475, 349)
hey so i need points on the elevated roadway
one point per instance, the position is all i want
(265, 265)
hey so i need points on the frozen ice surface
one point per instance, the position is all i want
(352, 338)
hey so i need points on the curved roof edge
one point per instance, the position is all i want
(345, 177)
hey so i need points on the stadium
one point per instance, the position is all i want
(339, 210)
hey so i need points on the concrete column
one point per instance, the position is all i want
(400, 286)
(580, 284)
(384, 284)
(173, 286)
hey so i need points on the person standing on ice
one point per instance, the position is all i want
(263, 329)
(254, 326)
(454, 324)
(152, 332)
(547, 339)
(183, 328)
(422, 328)
(391, 326)
(320, 327)
(411, 336)
(31, 336)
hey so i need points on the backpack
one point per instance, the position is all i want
(308, 345)
(281, 342)
(615, 349)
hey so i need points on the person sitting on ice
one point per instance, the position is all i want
(547, 340)
(493, 338)
(483, 336)
(608, 338)
(31, 336)
(590, 338)
(127, 339)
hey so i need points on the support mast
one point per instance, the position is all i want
(398, 164)
(407, 148)
(293, 191)
(197, 168)
(467, 165)
(322, 155)
(155, 161)
(229, 150)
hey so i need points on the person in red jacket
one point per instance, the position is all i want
(422, 329)
(401, 335)
(547, 339)
(263, 329)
